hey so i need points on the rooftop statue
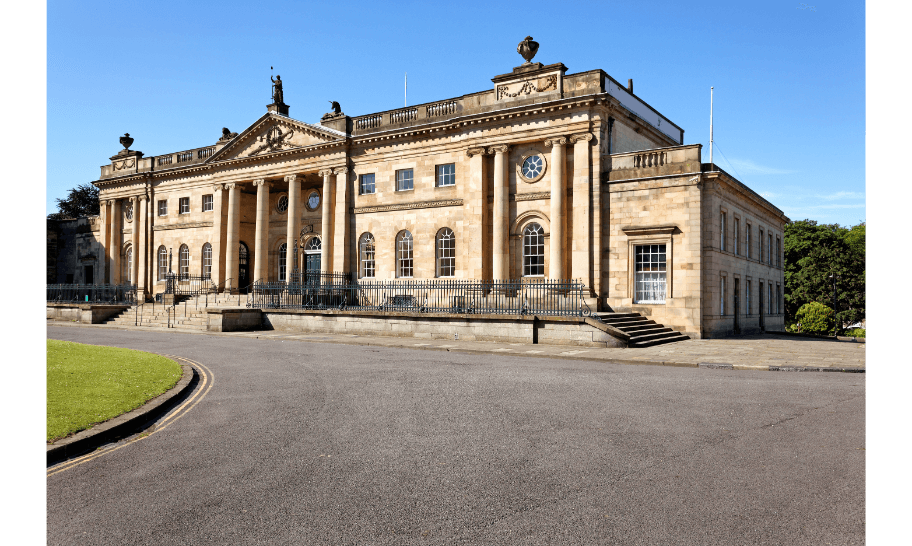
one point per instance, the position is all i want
(527, 48)
(335, 107)
(277, 95)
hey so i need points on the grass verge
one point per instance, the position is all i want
(88, 384)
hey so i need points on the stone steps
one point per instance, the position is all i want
(158, 318)
(643, 331)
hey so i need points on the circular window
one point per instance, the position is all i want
(282, 204)
(531, 167)
(313, 200)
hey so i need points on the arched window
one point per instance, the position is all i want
(207, 260)
(162, 262)
(127, 264)
(533, 251)
(283, 256)
(368, 252)
(446, 253)
(404, 257)
(184, 263)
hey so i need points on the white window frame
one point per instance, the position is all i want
(208, 203)
(446, 253)
(401, 179)
(405, 255)
(650, 273)
(128, 263)
(533, 240)
(283, 262)
(367, 256)
(184, 203)
(163, 207)
(363, 184)
(446, 179)
(207, 260)
(183, 261)
(162, 262)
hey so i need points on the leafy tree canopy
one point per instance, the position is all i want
(81, 201)
(813, 254)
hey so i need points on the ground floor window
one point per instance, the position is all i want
(283, 256)
(446, 253)
(769, 299)
(748, 297)
(533, 251)
(368, 251)
(162, 262)
(184, 263)
(128, 264)
(650, 273)
(404, 257)
(207, 260)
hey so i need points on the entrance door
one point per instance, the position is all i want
(88, 274)
(243, 268)
(312, 253)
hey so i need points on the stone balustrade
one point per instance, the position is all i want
(445, 108)
(368, 122)
(401, 116)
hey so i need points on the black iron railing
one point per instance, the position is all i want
(188, 285)
(92, 293)
(339, 291)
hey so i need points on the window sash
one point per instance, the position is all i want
(184, 205)
(533, 251)
(650, 273)
(207, 260)
(405, 180)
(446, 254)
(404, 256)
(747, 296)
(163, 207)
(737, 237)
(722, 231)
(162, 263)
(749, 252)
(368, 257)
(207, 203)
(446, 175)
(283, 264)
(367, 185)
(722, 297)
(184, 261)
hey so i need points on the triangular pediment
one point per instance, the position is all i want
(275, 133)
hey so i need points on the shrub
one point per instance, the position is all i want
(855, 332)
(815, 318)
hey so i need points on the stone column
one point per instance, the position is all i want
(218, 269)
(581, 248)
(140, 250)
(232, 236)
(134, 267)
(558, 193)
(501, 229)
(476, 206)
(116, 238)
(294, 224)
(104, 232)
(325, 235)
(341, 241)
(261, 254)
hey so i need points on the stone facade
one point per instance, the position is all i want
(577, 156)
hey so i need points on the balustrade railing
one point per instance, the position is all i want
(369, 122)
(205, 153)
(441, 108)
(165, 160)
(651, 159)
(401, 116)
(183, 157)
(340, 291)
(92, 293)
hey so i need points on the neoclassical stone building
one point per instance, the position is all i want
(542, 174)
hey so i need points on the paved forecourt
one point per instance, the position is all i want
(326, 443)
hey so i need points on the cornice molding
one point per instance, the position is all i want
(635, 231)
(407, 206)
(186, 225)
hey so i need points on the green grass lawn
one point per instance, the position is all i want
(88, 384)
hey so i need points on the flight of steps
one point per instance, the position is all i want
(156, 316)
(643, 332)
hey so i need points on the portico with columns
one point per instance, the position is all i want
(517, 182)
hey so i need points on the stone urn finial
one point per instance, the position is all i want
(527, 48)
(126, 141)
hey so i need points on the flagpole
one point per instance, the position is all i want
(711, 166)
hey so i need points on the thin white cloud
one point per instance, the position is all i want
(826, 207)
(843, 195)
(746, 167)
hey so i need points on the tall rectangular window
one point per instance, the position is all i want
(761, 246)
(207, 203)
(722, 297)
(769, 249)
(405, 180)
(778, 252)
(184, 205)
(650, 273)
(367, 184)
(446, 175)
(737, 237)
(722, 232)
(748, 241)
(769, 299)
(747, 296)
(778, 308)
(163, 207)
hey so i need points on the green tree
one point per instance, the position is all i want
(813, 254)
(815, 318)
(81, 201)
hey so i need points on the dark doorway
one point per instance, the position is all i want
(243, 268)
(312, 253)
(88, 272)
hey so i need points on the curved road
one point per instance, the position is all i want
(318, 443)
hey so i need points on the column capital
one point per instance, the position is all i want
(476, 150)
(291, 178)
(218, 187)
(262, 182)
(555, 141)
(340, 170)
(588, 137)
(111, 202)
(325, 172)
(231, 186)
(499, 149)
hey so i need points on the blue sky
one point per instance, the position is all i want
(789, 77)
